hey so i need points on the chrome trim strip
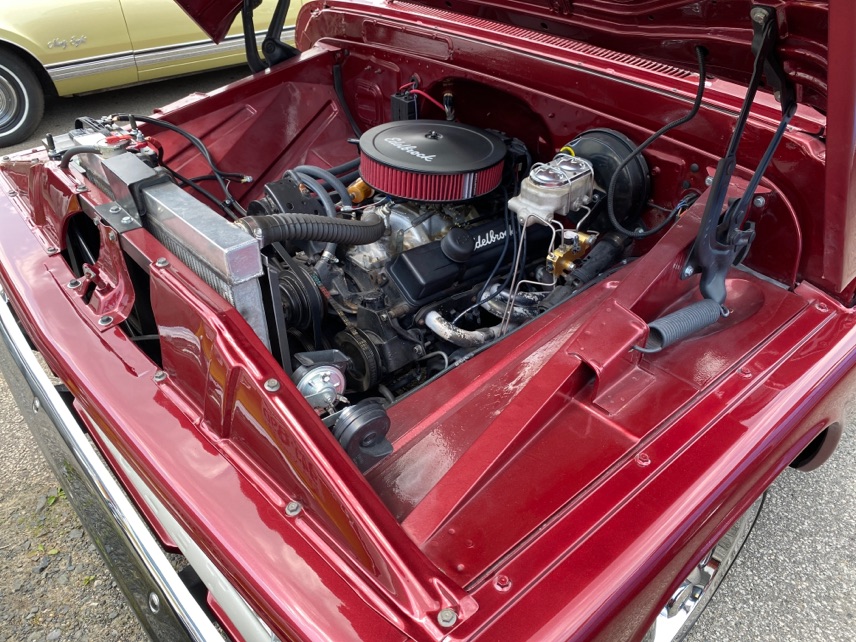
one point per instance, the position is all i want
(124, 514)
(240, 614)
(174, 53)
(91, 67)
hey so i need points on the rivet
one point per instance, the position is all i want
(708, 181)
(154, 602)
(105, 320)
(688, 272)
(52, 250)
(293, 508)
(111, 235)
(271, 385)
(36, 404)
(643, 460)
(80, 188)
(115, 209)
(5, 158)
(161, 262)
(447, 617)
(160, 375)
(821, 306)
(127, 220)
(12, 192)
(74, 283)
(745, 373)
(759, 201)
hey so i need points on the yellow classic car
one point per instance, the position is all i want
(69, 47)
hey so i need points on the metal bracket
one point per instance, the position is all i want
(723, 239)
(274, 49)
(117, 217)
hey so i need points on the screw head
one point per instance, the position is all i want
(105, 320)
(688, 272)
(74, 283)
(80, 188)
(708, 181)
(127, 220)
(36, 404)
(115, 209)
(271, 385)
(160, 375)
(161, 262)
(447, 617)
(12, 192)
(111, 235)
(154, 602)
(502, 583)
(293, 508)
(52, 250)
(759, 201)
(758, 15)
(643, 460)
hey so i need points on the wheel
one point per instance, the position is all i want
(687, 603)
(22, 101)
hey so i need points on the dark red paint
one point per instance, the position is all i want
(556, 486)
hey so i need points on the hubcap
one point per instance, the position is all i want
(688, 601)
(8, 103)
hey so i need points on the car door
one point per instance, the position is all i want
(166, 42)
(83, 44)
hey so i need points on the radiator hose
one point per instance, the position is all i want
(276, 228)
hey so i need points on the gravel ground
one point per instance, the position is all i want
(794, 581)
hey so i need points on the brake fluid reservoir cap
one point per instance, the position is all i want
(458, 245)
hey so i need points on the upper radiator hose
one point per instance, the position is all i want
(275, 228)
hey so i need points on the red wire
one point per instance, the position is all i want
(407, 86)
(419, 92)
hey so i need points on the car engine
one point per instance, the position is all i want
(368, 279)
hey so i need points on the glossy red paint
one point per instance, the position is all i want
(215, 17)
(641, 28)
(587, 476)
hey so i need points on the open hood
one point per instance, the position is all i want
(662, 30)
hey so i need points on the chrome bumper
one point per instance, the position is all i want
(154, 590)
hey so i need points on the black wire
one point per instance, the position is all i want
(192, 184)
(659, 207)
(145, 337)
(339, 88)
(198, 144)
(213, 177)
(673, 214)
(701, 52)
(509, 239)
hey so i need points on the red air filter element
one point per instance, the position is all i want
(431, 160)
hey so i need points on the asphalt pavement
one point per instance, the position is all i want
(795, 580)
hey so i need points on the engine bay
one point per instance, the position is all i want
(373, 264)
